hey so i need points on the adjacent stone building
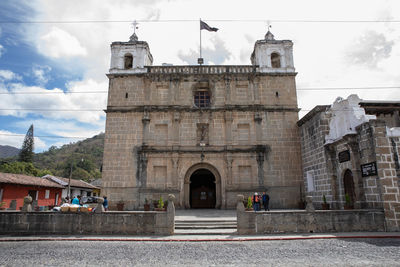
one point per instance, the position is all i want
(204, 133)
(350, 153)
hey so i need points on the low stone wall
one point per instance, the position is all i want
(26, 222)
(250, 222)
(69, 223)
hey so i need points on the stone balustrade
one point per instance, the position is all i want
(209, 69)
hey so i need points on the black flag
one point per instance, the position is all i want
(204, 26)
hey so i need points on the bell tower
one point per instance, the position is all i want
(130, 57)
(273, 55)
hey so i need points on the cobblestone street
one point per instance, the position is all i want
(332, 252)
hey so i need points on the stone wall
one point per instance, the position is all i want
(108, 223)
(317, 173)
(250, 222)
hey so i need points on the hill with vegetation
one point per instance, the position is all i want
(8, 151)
(84, 158)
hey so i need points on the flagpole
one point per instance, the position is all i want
(200, 39)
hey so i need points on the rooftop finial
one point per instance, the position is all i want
(134, 37)
(269, 36)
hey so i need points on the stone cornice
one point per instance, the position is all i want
(166, 108)
(205, 150)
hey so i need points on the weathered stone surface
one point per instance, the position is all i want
(116, 223)
(310, 222)
(250, 141)
(13, 205)
(27, 207)
(99, 207)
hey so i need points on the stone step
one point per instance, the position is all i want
(205, 226)
(205, 223)
(205, 231)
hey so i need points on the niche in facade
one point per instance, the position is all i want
(275, 60)
(128, 60)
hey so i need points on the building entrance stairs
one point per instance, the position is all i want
(205, 222)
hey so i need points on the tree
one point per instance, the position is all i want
(26, 154)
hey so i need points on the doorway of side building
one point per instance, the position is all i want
(348, 183)
(202, 190)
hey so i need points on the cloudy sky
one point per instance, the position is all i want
(54, 54)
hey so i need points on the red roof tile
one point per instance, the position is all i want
(22, 179)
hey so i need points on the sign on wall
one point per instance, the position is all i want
(369, 169)
(344, 156)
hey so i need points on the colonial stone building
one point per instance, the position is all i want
(204, 133)
(351, 150)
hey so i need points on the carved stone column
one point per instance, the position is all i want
(227, 90)
(358, 181)
(174, 178)
(228, 127)
(229, 160)
(146, 123)
(258, 121)
(175, 128)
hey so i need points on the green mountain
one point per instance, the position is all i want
(84, 158)
(8, 151)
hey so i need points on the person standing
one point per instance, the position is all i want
(105, 203)
(265, 200)
(256, 202)
(76, 200)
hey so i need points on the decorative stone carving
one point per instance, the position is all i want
(13, 205)
(346, 116)
(240, 205)
(27, 204)
(309, 204)
(99, 207)
(257, 117)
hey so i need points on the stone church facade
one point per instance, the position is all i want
(204, 133)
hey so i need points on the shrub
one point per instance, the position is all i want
(249, 203)
(160, 203)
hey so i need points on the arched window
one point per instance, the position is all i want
(275, 60)
(128, 59)
(202, 98)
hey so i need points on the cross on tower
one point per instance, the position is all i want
(134, 37)
(269, 26)
(135, 23)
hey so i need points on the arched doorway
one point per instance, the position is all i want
(202, 190)
(348, 184)
(210, 173)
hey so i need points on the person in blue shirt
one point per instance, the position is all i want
(105, 203)
(265, 199)
(76, 200)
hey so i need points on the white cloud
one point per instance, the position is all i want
(88, 106)
(7, 75)
(16, 140)
(58, 43)
(41, 74)
(320, 49)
